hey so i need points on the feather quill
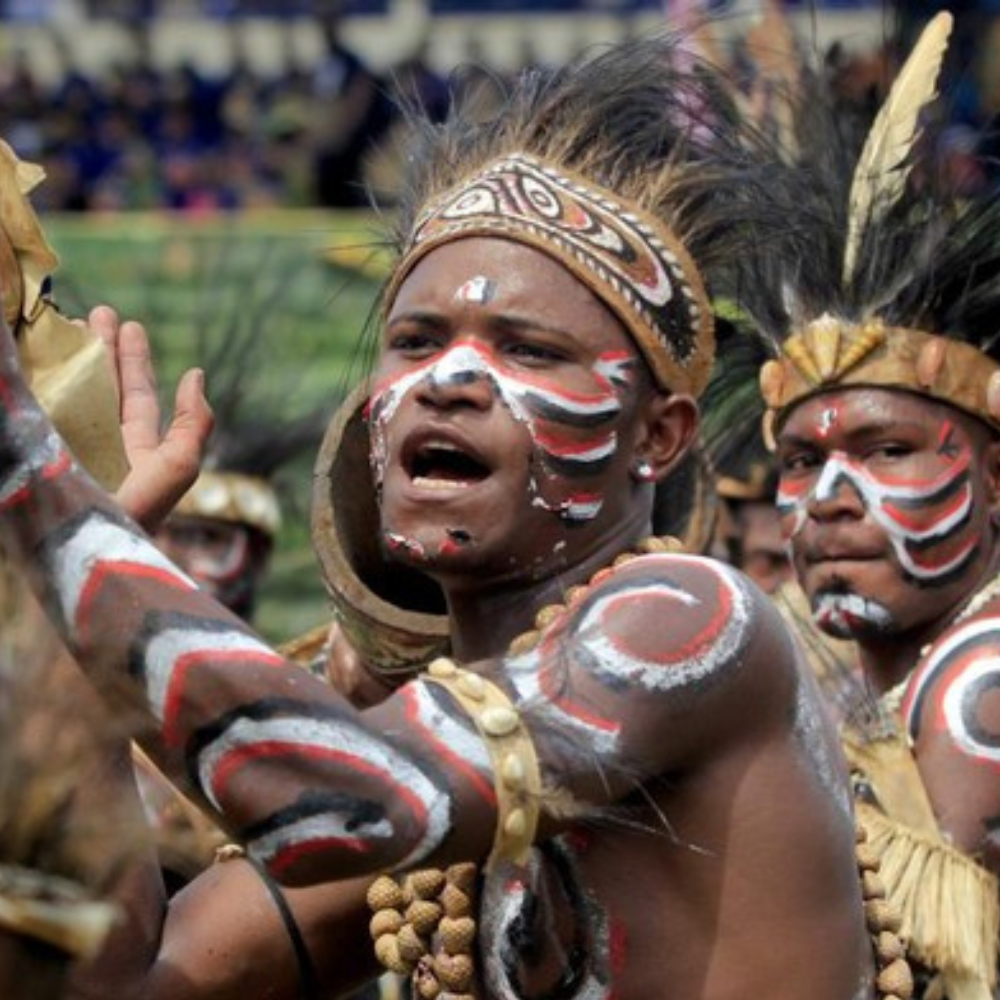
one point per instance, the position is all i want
(882, 170)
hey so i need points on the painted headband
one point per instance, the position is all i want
(831, 351)
(627, 258)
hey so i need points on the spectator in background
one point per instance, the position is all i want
(350, 114)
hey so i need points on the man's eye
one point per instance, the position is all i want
(409, 343)
(799, 462)
(532, 353)
(888, 452)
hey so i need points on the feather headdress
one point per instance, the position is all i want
(887, 276)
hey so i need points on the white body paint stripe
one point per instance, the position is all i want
(171, 645)
(339, 737)
(615, 665)
(99, 542)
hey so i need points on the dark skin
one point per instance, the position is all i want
(669, 701)
(950, 464)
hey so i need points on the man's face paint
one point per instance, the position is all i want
(884, 508)
(479, 290)
(923, 514)
(573, 433)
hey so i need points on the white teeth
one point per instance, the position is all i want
(440, 484)
(439, 446)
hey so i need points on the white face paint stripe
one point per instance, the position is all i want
(338, 737)
(96, 544)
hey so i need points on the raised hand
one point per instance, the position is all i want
(163, 464)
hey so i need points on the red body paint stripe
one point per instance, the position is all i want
(48, 472)
(482, 786)
(178, 675)
(120, 568)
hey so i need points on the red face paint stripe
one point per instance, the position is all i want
(927, 562)
(909, 519)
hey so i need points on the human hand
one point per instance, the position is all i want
(163, 465)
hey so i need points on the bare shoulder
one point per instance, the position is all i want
(685, 617)
(954, 685)
(663, 642)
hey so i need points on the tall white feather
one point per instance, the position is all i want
(883, 167)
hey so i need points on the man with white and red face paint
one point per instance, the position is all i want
(883, 398)
(618, 751)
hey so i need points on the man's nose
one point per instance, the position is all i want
(462, 377)
(837, 493)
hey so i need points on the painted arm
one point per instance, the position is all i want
(315, 789)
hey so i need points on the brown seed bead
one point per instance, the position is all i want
(387, 952)
(385, 922)
(897, 979)
(411, 945)
(384, 894)
(457, 934)
(428, 988)
(455, 902)
(867, 858)
(889, 947)
(454, 971)
(881, 916)
(547, 615)
(426, 883)
(872, 887)
(463, 875)
(423, 915)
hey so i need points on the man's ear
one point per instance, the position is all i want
(666, 430)
(991, 473)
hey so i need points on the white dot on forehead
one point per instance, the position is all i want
(478, 290)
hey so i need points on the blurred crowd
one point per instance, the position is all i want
(139, 136)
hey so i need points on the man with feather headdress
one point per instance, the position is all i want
(880, 313)
(628, 788)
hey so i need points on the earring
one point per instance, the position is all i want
(642, 472)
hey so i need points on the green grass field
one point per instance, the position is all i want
(292, 290)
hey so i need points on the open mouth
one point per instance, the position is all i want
(438, 464)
